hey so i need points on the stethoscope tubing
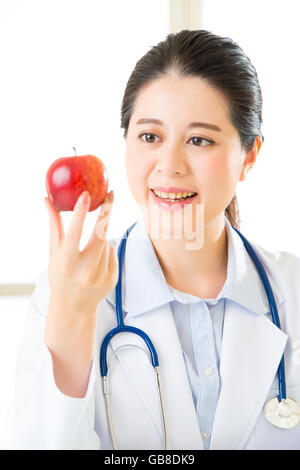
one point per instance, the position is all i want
(121, 250)
(125, 329)
(121, 328)
(273, 310)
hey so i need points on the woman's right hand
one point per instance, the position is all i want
(79, 280)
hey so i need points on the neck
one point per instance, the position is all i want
(201, 272)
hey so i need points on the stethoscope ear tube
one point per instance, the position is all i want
(108, 410)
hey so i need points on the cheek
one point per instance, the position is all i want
(218, 177)
(136, 172)
(222, 169)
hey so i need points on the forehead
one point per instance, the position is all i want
(175, 99)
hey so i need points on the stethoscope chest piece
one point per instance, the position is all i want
(284, 414)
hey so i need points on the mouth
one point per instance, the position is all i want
(172, 196)
(172, 203)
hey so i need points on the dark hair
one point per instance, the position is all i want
(219, 61)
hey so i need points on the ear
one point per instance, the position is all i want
(250, 158)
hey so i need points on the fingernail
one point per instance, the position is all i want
(84, 197)
(111, 196)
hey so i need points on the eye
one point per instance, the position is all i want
(147, 134)
(197, 139)
(201, 139)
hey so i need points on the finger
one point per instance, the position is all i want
(73, 236)
(113, 265)
(55, 223)
(102, 224)
(98, 239)
(109, 262)
(113, 260)
(100, 229)
(101, 262)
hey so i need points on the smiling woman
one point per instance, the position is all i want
(217, 62)
(191, 115)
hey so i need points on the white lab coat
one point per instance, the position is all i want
(42, 417)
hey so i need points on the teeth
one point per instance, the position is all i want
(172, 195)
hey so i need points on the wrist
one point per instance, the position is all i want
(70, 332)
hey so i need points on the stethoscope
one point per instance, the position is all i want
(281, 411)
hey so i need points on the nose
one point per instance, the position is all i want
(171, 160)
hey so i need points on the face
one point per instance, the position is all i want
(206, 159)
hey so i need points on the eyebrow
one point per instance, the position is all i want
(206, 125)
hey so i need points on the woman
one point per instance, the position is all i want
(192, 114)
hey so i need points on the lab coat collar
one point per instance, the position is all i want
(243, 285)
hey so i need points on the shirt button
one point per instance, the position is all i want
(200, 313)
(205, 435)
(214, 302)
(208, 371)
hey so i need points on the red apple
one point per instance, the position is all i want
(68, 177)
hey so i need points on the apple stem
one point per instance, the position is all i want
(74, 151)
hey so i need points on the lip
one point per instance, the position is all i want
(172, 189)
(172, 206)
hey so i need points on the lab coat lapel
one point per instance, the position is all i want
(180, 414)
(247, 369)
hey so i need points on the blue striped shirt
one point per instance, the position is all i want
(199, 324)
(200, 327)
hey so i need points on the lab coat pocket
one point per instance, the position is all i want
(134, 399)
(269, 437)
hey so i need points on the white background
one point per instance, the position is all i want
(268, 32)
(64, 68)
